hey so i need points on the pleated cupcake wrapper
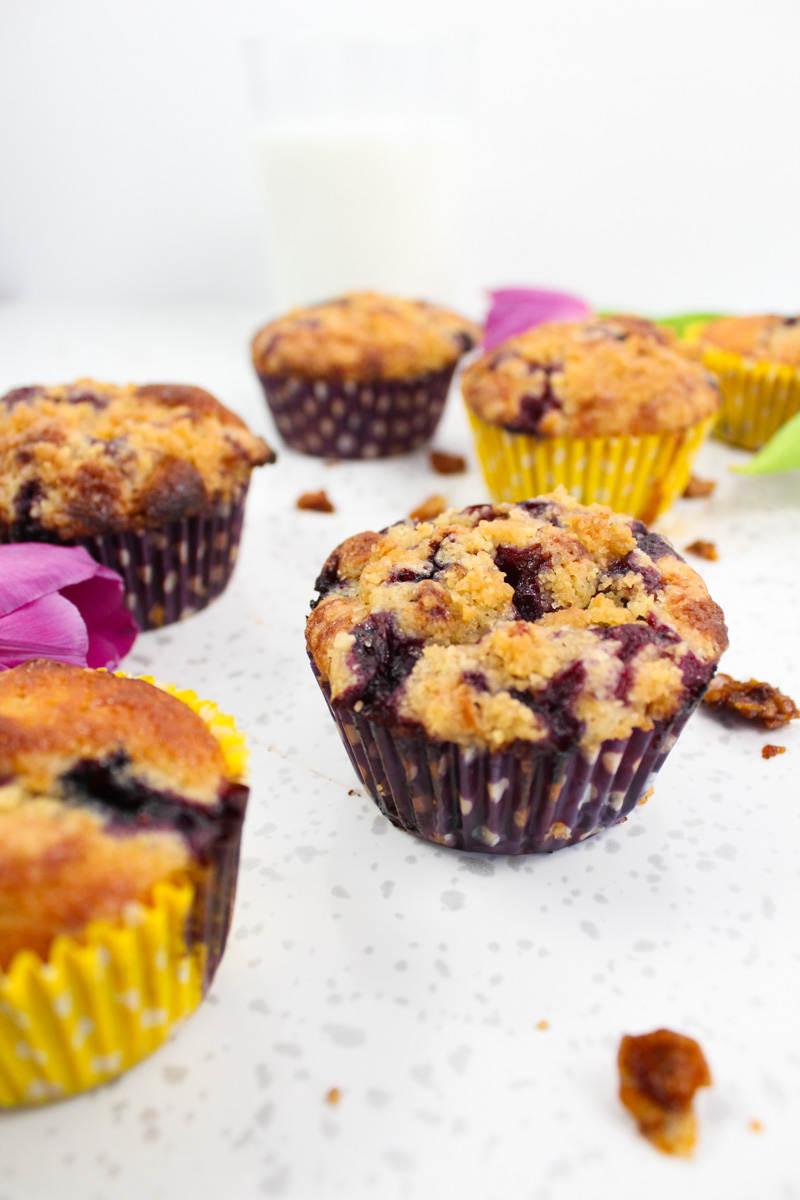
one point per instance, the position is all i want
(345, 419)
(757, 398)
(105, 1000)
(176, 569)
(640, 475)
(520, 801)
(98, 1006)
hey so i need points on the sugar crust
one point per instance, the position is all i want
(600, 377)
(363, 337)
(96, 458)
(767, 338)
(475, 652)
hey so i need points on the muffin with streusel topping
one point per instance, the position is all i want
(613, 408)
(151, 480)
(757, 363)
(121, 808)
(361, 376)
(509, 677)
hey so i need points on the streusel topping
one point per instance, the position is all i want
(363, 337)
(544, 622)
(601, 377)
(89, 458)
(764, 339)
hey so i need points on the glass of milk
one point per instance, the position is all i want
(361, 152)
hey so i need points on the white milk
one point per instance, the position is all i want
(354, 207)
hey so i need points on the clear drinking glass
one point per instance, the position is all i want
(361, 150)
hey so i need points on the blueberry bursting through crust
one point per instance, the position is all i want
(532, 632)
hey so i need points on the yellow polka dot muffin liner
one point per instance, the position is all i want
(757, 397)
(103, 1001)
(640, 475)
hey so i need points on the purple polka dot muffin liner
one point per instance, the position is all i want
(344, 419)
(176, 569)
(521, 801)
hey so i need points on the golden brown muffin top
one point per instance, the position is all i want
(89, 458)
(363, 337)
(599, 377)
(54, 717)
(544, 622)
(108, 786)
(768, 339)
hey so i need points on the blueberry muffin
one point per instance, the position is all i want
(509, 677)
(362, 376)
(757, 363)
(151, 480)
(121, 809)
(611, 407)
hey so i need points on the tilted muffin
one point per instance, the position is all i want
(509, 677)
(611, 407)
(121, 809)
(757, 363)
(362, 376)
(151, 480)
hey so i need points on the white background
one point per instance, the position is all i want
(642, 153)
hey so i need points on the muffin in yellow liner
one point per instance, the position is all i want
(78, 1008)
(757, 363)
(611, 408)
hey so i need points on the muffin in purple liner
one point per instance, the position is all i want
(510, 677)
(151, 480)
(362, 376)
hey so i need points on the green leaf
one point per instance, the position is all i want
(781, 453)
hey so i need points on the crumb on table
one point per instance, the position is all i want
(703, 550)
(447, 464)
(542, 1024)
(333, 1096)
(756, 1126)
(697, 488)
(429, 509)
(315, 502)
(770, 751)
(659, 1075)
(754, 700)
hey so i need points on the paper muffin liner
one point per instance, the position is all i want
(640, 475)
(345, 419)
(178, 568)
(523, 800)
(757, 397)
(108, 998)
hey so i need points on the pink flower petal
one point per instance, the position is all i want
(110, 627)
(513, 310)
(50, 627)
(29, 570)
(57, 602)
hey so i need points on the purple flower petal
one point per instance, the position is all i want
(513, 310)
(57, 602)
(50, 627)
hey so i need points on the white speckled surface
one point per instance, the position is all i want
(413, 978)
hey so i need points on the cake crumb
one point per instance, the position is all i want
(756, 1126)
(429, 509)
(542, 1024)
(659, 1075)
(646, 796)
(703, 550)
(754, 700)
(333, 1096)
(447, 464)
(315, 502)
(696, 488)
(770, 751)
